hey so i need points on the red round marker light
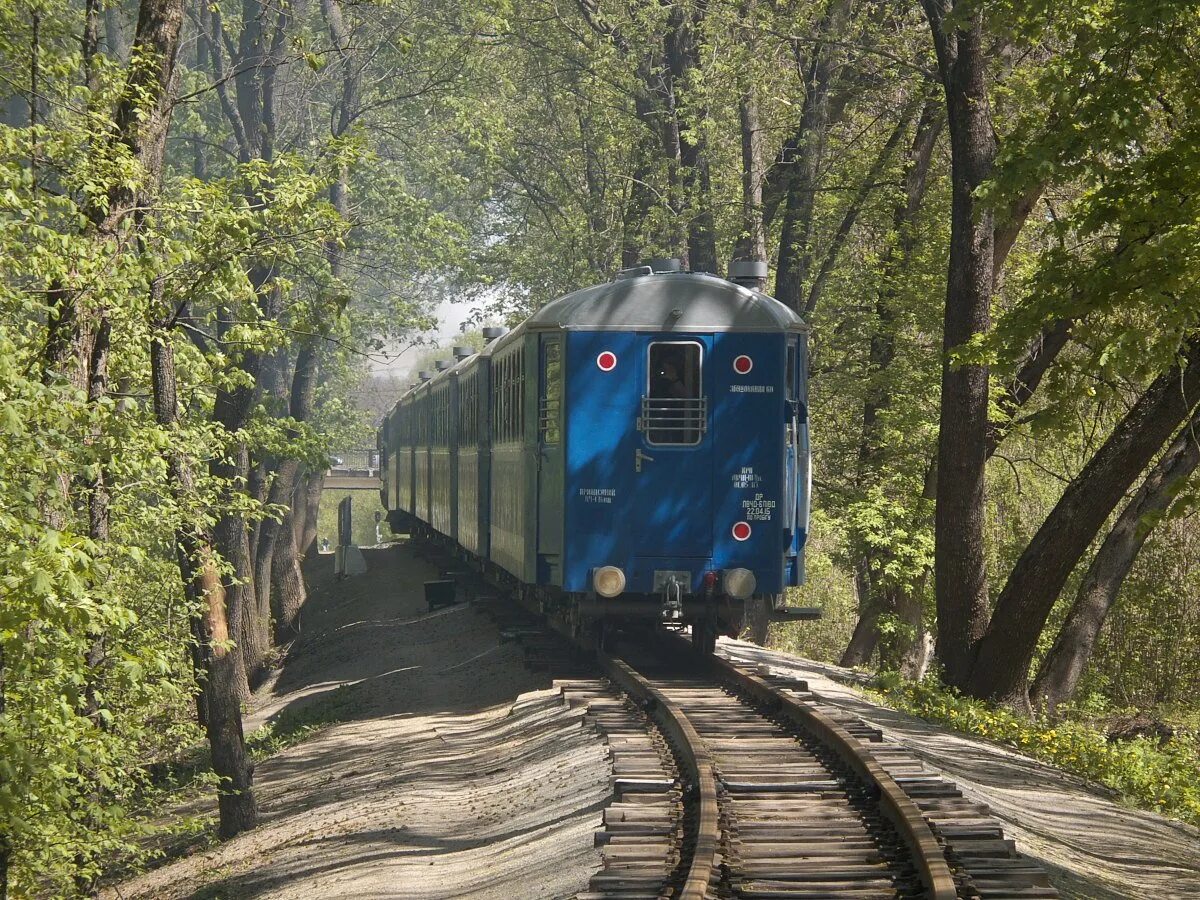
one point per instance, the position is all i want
(741, 531)
(606, 361)
(743, 364)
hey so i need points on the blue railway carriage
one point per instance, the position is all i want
(645, 456)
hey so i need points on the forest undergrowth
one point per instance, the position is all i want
(1159, 772)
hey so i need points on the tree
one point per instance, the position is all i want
(960, 570)
(1063, 666)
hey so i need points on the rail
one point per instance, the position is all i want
(696, 759)
(694, 756)
(926, 852)
(354, 463)
(778, 793)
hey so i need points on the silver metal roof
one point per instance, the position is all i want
(667, 302)
(680, 301)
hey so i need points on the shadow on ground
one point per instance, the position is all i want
(444, 768)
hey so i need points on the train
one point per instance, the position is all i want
(635, 453)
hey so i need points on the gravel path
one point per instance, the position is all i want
(1094, 847)
(451, 772)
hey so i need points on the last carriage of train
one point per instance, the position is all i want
(633, 454)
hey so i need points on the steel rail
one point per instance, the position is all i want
(695, 757)
(896, 804)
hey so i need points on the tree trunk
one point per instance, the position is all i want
(271, 483)
(683, 62)
(285, 573)
(850, 216)
(296, 505)
(5, 841)
(906, 648)
(960, 569)
(271, 536)
(752, 242)
(881, 352)
(287, 582)
(637, 211)
(1062, 668)
(914, 664)
(758, 620)
(795, 239)
(231, 537)
(1038, 359)
(312, 509)
(1001, 671)
(251, 115)
(865, 637)
(219, 675)
(142, 119)
(98, 497)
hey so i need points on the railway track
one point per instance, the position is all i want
(750, 788)
(731, 783)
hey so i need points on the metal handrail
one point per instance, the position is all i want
(674, 414)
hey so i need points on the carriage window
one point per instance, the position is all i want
(791, 371)
(674, 411)
(548, 415)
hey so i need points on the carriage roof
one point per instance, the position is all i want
(666, 302)
(676, 301)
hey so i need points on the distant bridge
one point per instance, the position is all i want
(353, 470)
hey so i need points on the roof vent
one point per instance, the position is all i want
(443, 364)
(492, 332)
(463, 352)
(634, 272)
(751, 273)
(424, 375)
(662, 265)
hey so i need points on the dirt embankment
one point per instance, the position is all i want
(449, 771)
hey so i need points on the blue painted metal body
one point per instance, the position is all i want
(561, 473)
(677, 513)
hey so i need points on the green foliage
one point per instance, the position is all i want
(1159, 776)
(827, 586)
(1150, 656)
(504, 154)
(1115, 120)
(71, 732)
(365, 506)
(96, 668)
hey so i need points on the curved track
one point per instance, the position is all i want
(768, 812)
(730, 784)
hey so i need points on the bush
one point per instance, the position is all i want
(1160, 776)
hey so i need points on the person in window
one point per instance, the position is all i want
(666, 381)
(666, 385)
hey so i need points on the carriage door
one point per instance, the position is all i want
(673, 467)
(550, 459)
(791, 430)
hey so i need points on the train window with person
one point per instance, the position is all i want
(674, 404)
